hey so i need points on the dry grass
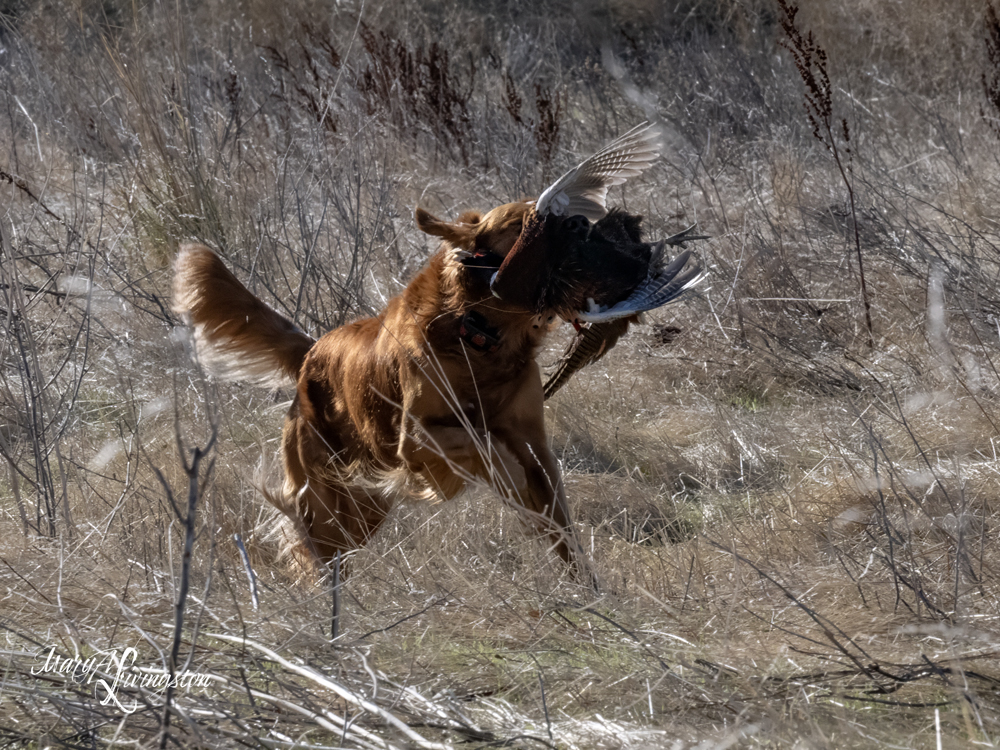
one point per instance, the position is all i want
(795, 533)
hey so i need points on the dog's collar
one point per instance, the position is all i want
(476, 331)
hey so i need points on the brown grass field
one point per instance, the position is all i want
(788, 483)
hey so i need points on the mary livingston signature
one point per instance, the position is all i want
(112, 672)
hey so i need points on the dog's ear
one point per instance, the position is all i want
(461, 233)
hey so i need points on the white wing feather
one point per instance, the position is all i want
(655, 292)
(583, 190)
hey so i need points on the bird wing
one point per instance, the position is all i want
(583, 190)
(655, 292)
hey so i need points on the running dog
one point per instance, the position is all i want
(439, 390)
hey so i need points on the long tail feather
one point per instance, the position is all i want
(678, 240)
(590, 345)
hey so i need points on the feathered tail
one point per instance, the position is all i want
(590, 344)
(237, 336)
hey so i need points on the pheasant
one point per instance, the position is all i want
(601, 273)
(607, 320)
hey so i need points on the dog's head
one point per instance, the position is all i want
(493, 232)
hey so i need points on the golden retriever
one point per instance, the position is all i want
(438, 390)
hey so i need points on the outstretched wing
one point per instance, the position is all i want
(655, 292)
(583, 190)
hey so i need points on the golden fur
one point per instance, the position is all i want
(395, 403)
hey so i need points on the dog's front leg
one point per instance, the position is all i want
(521, 428)
(448, 457)
(447, 450)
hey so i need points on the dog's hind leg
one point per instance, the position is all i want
(329, 515)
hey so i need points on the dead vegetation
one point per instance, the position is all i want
(793, 512)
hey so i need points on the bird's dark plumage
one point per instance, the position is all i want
(618, 276)
(590, 272)
(600, 273)
(600, 266)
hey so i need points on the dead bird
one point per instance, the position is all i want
(606, 281)
(606, 271)
(562, 215)
(589, 265)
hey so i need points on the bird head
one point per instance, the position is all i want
(526, 271)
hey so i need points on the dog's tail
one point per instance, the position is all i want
(236, 335)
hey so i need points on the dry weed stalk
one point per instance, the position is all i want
(811, 63)
(46, 400)
(418, 86)
(188, 517)
(545, 126)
